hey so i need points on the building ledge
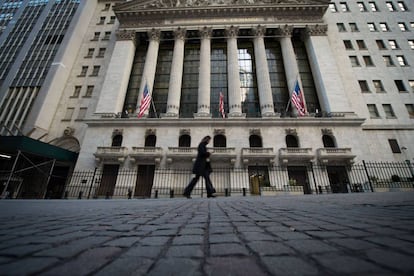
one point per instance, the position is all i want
(295, 155)
(111, 154)
(334, 155)
(146, 154)
(257, 155)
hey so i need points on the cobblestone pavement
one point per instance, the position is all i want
(342, 234)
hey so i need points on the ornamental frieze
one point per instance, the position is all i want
(206, 3)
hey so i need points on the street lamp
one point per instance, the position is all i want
(5, 156)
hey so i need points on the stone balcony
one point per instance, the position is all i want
(186, 154)
(335, 155)
(257, 155)
(295, 155)
(146, 154)
(223, 154)
(111, 154)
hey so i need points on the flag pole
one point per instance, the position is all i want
(153, 105)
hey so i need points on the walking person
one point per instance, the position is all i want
(202, 168)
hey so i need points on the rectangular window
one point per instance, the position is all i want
(68, 114)
(354, 61)
(354, 27)
(411, 83)
(400, 86)
(371, 27)
(402, 26)
(107, 7)
(384, 27)
(332, 7)
(402, 61)
(393, 44)
(84, 71)
(96, 36)
(402, 6)
(101, 52)
(390, 6)
(368, 61)
(76, 91)
(379, 88)
(362, 7)
(344, 7)
(389, 112)
(388, 61)
(373, 6)
(89, 91)
(341, 27)
(112, 20)
(82, 113)
(410, 110)
(363, 84)
(90, 53)
(395, 148)
(411, 44)
(348, 45)
(101, 20)
(361, 45)
(95, 71)
(107, 36)
(373, 112)
(381, 44)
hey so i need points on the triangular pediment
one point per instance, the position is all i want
(172, 4)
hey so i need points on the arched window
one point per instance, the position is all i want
(184, 141)
(292, 141)
(150, 140)
(328, 141)
(117, 140)
(255, 141)
(219, 141)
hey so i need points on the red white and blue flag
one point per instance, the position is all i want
(297, 99)
(221, 105)
(145, 102)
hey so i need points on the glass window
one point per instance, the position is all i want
(373, 111)
(84, 71)
(341, 27)
(411, 83)
(373, 6)
(393, 44)
(107, 36)
(381, 45)
(402, 26)
(96, 36)
(402, 61)
(89, 91)
(371, 27)
(411, 44)
(368, 61)
(82, 113)
(389, 112)
(388, 61)
(379, 88)
(69, 114)
(189, 90)
(400, 86)
(384, 27)
(348, 45)
(390, 6)
(332, 7)
(90, 53)
(410, 110)
(361, 45)
(95, 71)
(402, 6)
(354, 27)
(344, 7)
(112, 20)
(101, 20)
(363, 84)
(101, 52)
(395, 148)
(361, 7)
(354, 61)
(76, 91)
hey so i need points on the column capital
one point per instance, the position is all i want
(154, 34)
(126, 35)
(232, 31)
(286, 30)
(259, 31)
(316, 30)
(206, 32)
(180, 33)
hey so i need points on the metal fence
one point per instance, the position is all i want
(274, 180)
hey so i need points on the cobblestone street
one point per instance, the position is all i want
(336, 234)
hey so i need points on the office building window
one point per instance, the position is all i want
(348, 45)
(107, 7)
(101, 20)
(76, 91)
(373, 111)
(81, 113)
(89, 91)
(95, 71)
(341, 27)
(400, 86)
(410, 110)
(354, 27)
(112, 20)
(381, 44)
(362, 7)
(344, 7)
(388, 61)
(393, 44)
(371, 27)
(90, 53)
(332, 7)
(411, 83)
(363, 84)
(402, 6)
(107, 36)
(84, 71)
(373, 6)
(389, 112)
(411, 44)
(402, 61)
(68, 114)
(368, 61)
(390, 6)
(361, 45)
(384, 27)
(402, 26)
(96, 36)
(354, 61)
(101, 52)
(395, 148)
(379, 88)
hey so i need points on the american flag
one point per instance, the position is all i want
(221, 105)
(145, 101)
(297, 99)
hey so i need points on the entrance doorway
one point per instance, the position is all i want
(108, 180)
(56, 186)
(298, 175)
(338, 178)
(145, 179)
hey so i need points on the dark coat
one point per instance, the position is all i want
(201, 165)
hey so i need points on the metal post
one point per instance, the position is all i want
(93, 180)
(10, 175)
(313, 177)
(48, 177)
(369, 179)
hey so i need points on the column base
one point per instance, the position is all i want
(202, 115)
(169, 115)
(236, 115)
(269, 115)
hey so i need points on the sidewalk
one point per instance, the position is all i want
(335, 234)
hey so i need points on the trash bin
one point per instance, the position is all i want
(255, 185)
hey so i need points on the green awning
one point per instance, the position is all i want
(12, 144)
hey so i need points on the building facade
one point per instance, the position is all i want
(352, 60)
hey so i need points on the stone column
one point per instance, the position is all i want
(289, 58)
(148, 74)
(176, 76)
(233, 72)
(204, 78)
(115, 85)
(262, 74)
(331, 92)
